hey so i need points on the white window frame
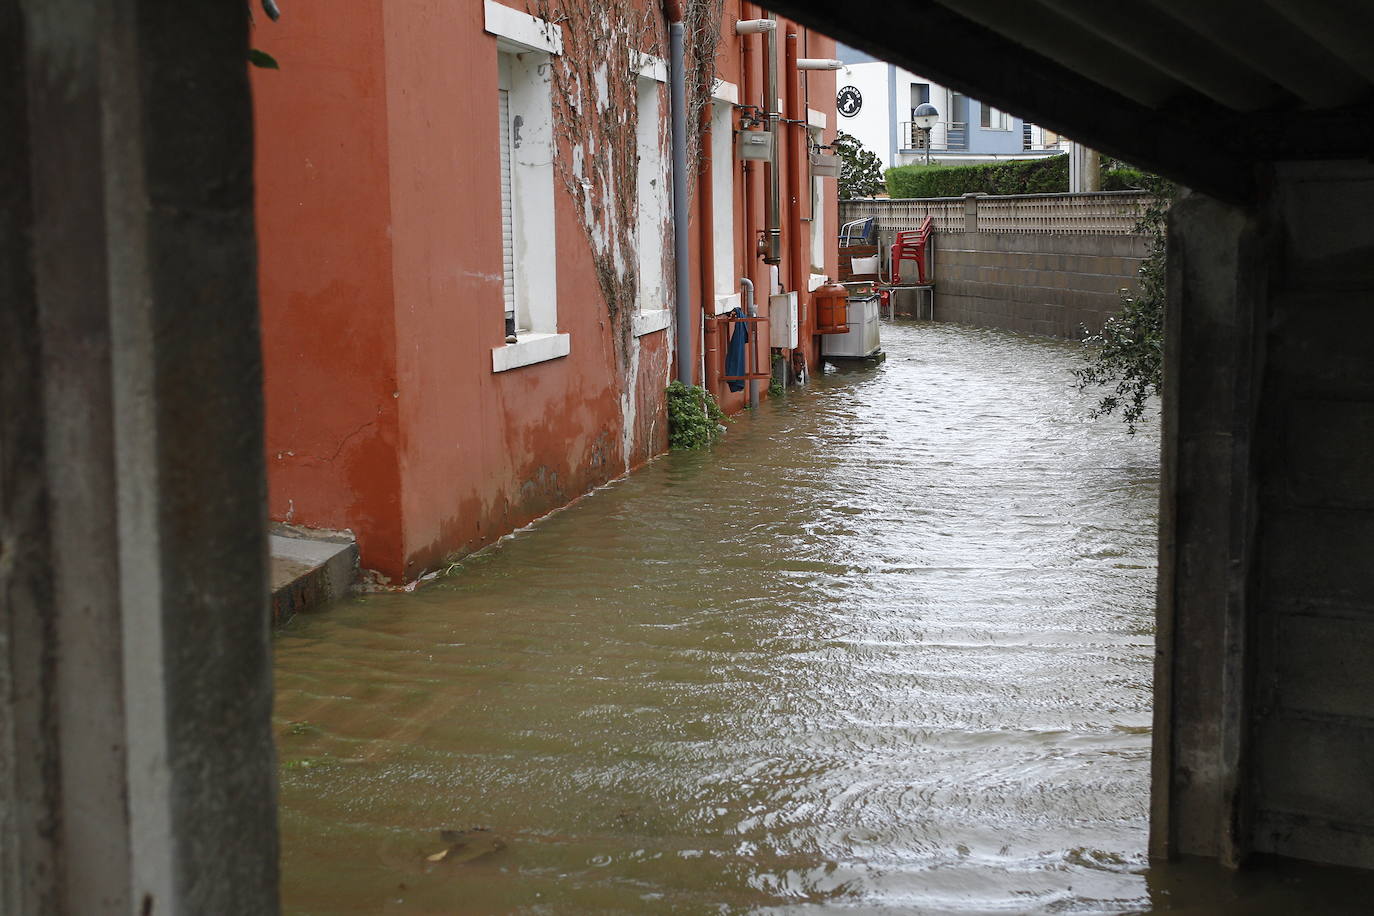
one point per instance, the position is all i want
(815, 133)
(997, 118)
(654, 206)
(724, 97)
(526, 44)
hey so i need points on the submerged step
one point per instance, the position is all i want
(309, 569)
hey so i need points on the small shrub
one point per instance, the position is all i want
(1125, 179)
(694, 417)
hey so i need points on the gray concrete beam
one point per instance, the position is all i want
(136, 659)
(1214, 320)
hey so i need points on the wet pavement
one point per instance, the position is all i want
(886, 648)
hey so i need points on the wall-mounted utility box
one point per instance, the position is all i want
(754, 144)
(825, 165)
(782, 320)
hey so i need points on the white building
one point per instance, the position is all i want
(876, 101)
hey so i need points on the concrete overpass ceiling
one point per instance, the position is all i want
(1062, 38)
(1270, 44)
(1164, 42)
(1342, 26)
(1202, 91)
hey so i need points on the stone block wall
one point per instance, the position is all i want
(1035, 283)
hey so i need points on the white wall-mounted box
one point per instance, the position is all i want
(782, 320)
(754, 144)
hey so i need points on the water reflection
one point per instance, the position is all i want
(886, 647)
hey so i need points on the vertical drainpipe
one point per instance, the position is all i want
(796, 171)
(748, 87)
(706, 223)
(677, 79)
(770, 79)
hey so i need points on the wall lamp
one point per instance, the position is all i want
(819, 63)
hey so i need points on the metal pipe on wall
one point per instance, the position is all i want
(751, 310)
(773, 254)
(748, 88)
(677, 79)
(796, 173)
(706, 224)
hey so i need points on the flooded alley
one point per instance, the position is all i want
(888, 644)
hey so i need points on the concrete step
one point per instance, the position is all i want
(309, 569)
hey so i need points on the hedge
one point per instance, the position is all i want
(1123, 179)
(1048, 175)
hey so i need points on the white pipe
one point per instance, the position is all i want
(751, 310)
(754, 26)
(819, 63)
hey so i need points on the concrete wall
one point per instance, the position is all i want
(1035, 283)
(1313, 631)
(1264, 739)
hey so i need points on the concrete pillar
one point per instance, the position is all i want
(1215, 299)
(1264, 740)
(1085, 169)
(136, 759)
(971, 211)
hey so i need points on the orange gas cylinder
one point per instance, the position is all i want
(832, 309)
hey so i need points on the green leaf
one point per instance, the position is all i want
(262, 59)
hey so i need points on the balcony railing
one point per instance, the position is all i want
(948, 136)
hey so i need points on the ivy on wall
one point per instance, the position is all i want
(595, 94)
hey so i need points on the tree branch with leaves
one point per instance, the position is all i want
(1126, 358)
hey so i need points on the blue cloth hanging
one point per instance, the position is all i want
(734, 353)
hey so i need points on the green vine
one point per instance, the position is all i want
(694, 417)
(595, 102)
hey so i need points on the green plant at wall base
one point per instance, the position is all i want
(1127, 356)
(775, 386)
(1048, 175)
(861, 171)
(694, 417)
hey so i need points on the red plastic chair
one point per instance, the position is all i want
(911, 246)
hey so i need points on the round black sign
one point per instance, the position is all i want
(849, 100)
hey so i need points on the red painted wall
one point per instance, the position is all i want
(379, 208)
(324, 229)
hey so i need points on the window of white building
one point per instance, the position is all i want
(993, 119)
(525, 151)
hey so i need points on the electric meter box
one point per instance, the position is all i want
(825, 165)
(754, 144)
(782, 321)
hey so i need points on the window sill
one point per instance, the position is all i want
(651, 320)
(726, 302)
(530, 349)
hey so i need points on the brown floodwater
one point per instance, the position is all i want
(885, 648)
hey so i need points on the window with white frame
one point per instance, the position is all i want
(525, 151)
(723, 204)
(654, 200)
(818, 192)
(994, 119)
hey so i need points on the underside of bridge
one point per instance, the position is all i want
(1264, 737)
(135, 747)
